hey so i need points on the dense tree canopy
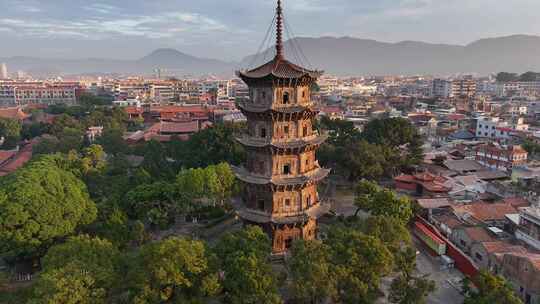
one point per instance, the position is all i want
(243, 258)
(312, 275)
(490, 289)
(174, 270)
(81, 270)
(10, 131)
(40, 203)
(382, 202)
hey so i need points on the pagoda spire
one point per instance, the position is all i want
(279, 31)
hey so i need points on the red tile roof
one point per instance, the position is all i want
(13, 113)
(17, 161)
(478, 234)
(502, 247)
(485, 212)
(517, 202)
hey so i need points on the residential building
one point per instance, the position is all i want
(465, 87)
(522, 270)
(3, 71)
(499, 157)
(441, 88)
(26, 93)
(529, 229)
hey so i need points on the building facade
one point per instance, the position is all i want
(281, 174)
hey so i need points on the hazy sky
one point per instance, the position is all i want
(231, 29)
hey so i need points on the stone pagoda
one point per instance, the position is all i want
(281, 175)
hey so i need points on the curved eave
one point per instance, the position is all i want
(316, 141)
(311, 177)
(314, 212)
(245, 108)
(248, 76)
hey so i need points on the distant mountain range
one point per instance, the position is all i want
(338, 56)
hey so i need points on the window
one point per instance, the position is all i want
(303, 94)
(260, 204)
(462, 242)
(263, 132)
(305, 131)
(286, 130)
(308, 200)
(287, 169)
(478, 256)
(288, 243)
(287, 202)
(286, 98)
(263, 95)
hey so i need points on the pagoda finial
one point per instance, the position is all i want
(279, 31)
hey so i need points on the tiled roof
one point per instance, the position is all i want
(279, 68)
(432, 203)
(17, 161)
(478, 234)
(502, 247)
(485, 212)
(517, 202)
(13, 113)
(179, 127)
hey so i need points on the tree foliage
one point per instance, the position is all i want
(39, 204)
(490, 289)
(312, 276)
(407, 288)
(81, 270)
(174, 270)
(382, 202)
(10, 131)
(243, 258)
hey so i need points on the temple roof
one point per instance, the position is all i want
(258, 217)
(279, 67)
(288, 144)
(314, 176)
(255, 108)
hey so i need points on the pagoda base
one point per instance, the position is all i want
(283, 235)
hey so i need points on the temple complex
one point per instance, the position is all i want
(281, 174)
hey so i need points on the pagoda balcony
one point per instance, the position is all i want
(248, 106)
(258, 216)
(299, 180)
(282, 143)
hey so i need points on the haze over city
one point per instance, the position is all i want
(231, 30)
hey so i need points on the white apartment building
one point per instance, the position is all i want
(25, 93)
(441, 88)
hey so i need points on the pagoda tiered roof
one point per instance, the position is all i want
(280, 68)
(256, 108)
(257, 142)
(314, 212)
(313, 176)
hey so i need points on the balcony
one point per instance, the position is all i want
(314, 139)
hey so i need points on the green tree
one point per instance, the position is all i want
(155, 203)
(382, 202)
(341, 132)
(10, 130)
(192, 183)
(81, 270)
(490, 289)
(226, 180)
(359, 261)
(243, 257)
(407, 288)
(313, 280)
(39, 204)
(174, 270)
(155, 162)
(113, 142)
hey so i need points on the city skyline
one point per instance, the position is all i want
(114, 29)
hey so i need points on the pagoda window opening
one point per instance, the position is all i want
(287, 202)
(305, 131)
(286, 130)
(308, 200)
(287, 169)
(260, 204)
(286, 98)
(288, 242)
(263, 132)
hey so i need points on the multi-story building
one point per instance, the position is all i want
(501, 157)
(3, 71)
(465, 87)
(161, 92)
(25, 93)
(282, 173)
(529, 226)
(441, 88)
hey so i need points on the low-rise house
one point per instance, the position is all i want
(493, 214)
(529, 226)
(501, 157)
(483, 253)
(422, 184)
(465, 237)
(522, 270)
(446, 223)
